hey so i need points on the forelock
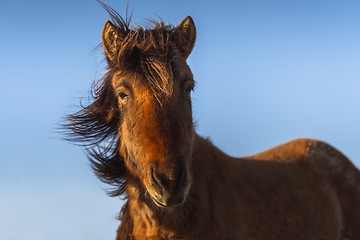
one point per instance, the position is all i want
(153, 53)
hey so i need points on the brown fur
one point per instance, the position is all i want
(140, 138)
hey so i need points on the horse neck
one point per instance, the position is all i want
(206, 162)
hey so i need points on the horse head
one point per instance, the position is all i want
(152, 84)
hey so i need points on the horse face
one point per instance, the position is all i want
(156, 128)
(157, 137)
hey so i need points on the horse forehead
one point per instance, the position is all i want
(164, 74)
(156, 77)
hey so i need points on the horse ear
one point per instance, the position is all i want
(111, 39)
(185, 36)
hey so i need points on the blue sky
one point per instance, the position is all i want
(266, 72)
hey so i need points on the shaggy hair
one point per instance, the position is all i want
(147, 51)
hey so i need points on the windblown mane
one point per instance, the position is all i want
(148, 51)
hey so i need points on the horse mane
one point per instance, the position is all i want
(95, 125)
(95, 128)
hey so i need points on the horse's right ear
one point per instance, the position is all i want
(185, 36)
(111, 39)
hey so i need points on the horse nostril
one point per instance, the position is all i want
(155, 180)
(166, 191)
(181, 176)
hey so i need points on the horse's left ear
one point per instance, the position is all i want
(185, 36)
(111, 39)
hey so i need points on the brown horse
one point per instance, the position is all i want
(140, 137)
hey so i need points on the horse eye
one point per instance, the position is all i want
(123, 95)
(189, 89)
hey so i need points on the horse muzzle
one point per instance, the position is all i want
(166, 192)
